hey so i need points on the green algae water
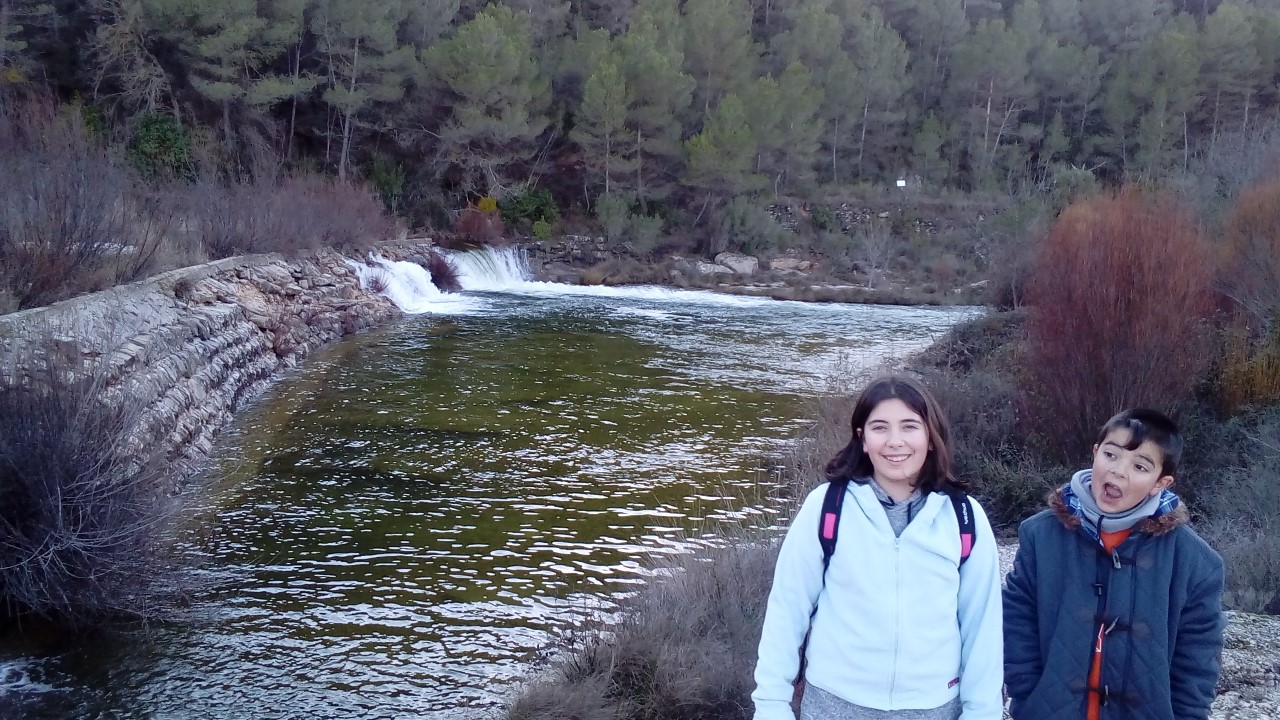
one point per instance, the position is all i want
(415, 513)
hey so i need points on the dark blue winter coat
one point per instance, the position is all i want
(1160, 660)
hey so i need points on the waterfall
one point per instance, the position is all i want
(492, 269)
(503, 270)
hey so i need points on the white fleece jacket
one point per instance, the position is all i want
(897, 627)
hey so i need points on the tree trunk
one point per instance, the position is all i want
(346, 123)
(640, 194)
(862, 138)
(1186, 144)
(293, 109)
(986, 126)
(835, 138)
(1213, 136)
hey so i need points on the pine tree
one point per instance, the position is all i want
(497, 99)
(1230, 71)
(364, 61)
(661, 91)
(719, 52)
(880, 57)
(783, 116)
(600, 124)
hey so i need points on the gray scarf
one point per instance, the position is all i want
(1082, 488)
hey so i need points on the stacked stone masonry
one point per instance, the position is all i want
(194, 345)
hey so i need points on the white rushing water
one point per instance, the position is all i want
(506, 270)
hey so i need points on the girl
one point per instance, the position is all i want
(897, 626)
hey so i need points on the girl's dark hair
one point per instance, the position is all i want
(853, 463)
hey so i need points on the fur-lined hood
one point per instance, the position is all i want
(1154, 526)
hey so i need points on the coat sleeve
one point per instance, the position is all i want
(1023, 664)
(797, 582)
(1197, 648)
(980, 626)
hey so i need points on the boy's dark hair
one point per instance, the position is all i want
(852, 462)
(1144, 424)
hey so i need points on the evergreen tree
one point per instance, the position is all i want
(880, 58)
(1121, 27)
(1165, 93)
(783, 116)
(1230, 72)
(496, 96)
(719, 52)
(719, 163)
(661, 93)
(364, 62)
(1062, 21)
(991, 86)
(600, 124)
(815, 38)
(926, 149)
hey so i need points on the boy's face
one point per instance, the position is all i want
(1123, 479)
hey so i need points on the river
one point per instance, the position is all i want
(415, 513)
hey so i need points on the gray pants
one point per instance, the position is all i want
(818, 704)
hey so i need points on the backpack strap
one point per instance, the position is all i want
(829, 521)
(964, 517)
(833, 501)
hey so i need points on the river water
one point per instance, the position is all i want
(412, 516)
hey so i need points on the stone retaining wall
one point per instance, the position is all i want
(193, 345)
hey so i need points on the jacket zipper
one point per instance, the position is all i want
(897, 601)
(1103, 589)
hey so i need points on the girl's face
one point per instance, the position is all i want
(897, 441)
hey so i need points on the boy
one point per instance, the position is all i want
(1113, 607)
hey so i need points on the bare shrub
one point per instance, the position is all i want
(1235, 161)
(876, 246)
(973, 373)
(585, 699)
(378, 282)
(85, 512)
(1250, 254)
(1119, 300)
(72, 218)
(444, 275)
(292, 214)
(1241, 503)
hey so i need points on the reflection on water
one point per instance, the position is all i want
(418, 510)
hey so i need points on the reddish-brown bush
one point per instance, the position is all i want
(480, 226)
(443, 273)
(1250, 253)
(1120, 295)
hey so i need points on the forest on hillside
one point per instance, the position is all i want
(661, 106)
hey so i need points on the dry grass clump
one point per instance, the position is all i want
(684, 648)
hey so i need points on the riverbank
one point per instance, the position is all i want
(788, 275)
(113, 400)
